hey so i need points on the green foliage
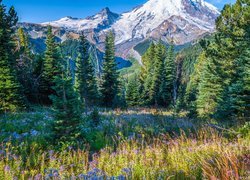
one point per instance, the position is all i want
(146, 76)
(95, 117)
(11, 98)
(85, 81)
(217, 88)
(245, 130)
(158, 87)
(168, 89)
(110, 75)
(26, 64)
(133, 91)
(238, 103)
(186, 60)
(220, 72)
(50, 67)
(192, 85)
(157, 76)
(67, 113)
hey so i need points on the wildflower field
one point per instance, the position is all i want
(133, 144)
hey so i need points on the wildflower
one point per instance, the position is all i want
(1, 152)
(34, 133)
(51, 152)
(96, 170)
(127, 171)
(91, 173)
(7, 168)
(121, 177)
(49, 176)
(15, 135)
(38, 177)
(15, 157)
(83, 176)
(62, 168)
(55, 174)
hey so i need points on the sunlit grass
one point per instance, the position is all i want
(139, 143)
(205, 154)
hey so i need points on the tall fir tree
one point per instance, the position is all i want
(133, 91)
(169, 78)
(237, 104)
(222, 53)
(85, 81)
(50, 70)
(11, 98)
(192, 86)
(110, 75)
(158, 73)
(66, 106)
(146, 76)
(25, 66)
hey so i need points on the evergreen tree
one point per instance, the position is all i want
(192, 86)
(209, 90)
(50, 70)
(133, 91)
(237, 105)
(219, 71)
(85, 81)
(156, 90)
(146, 76)
(66, 107)
(110, 82)
(10, 95)
(168, 87)
(25, 66)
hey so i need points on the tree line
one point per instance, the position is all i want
(27, 78)
(155, 84)
(217, 87)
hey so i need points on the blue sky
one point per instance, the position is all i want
(47, 10)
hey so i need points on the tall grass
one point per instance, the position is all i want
(201, 155)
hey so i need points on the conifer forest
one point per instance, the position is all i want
(174, 113)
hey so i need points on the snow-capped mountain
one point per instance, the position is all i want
(99, 21)
(151, 19)
(180, 21)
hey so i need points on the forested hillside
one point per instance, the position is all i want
(177, 115)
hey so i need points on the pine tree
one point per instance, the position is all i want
(85, 83)
(237, 103)
(209, 90)
(25, 66)
(168, 86)
(50, 70)
(133, 91)
(192, 86)
(146, 76)
(10, 94)
(158, 81)
(219, 71)
(66, 107)
(110, 82)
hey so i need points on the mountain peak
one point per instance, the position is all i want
(157, 18)
(185, 20)
(105, 10)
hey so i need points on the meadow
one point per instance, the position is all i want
(132, 144)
